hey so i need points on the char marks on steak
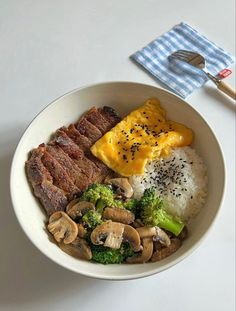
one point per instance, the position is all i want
(78, 138)
(71, 168)
(89, 130)
(65, 167)
(98, 120)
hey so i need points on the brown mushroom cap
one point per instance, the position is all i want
(111, 232)
(79, 209)
(79, 249)
(62, 227)
(73, 202)
(137, 223)
(157, 233)
(81, 231)
(114, 233)
(131, 236)
(166, 251)
(123, 187)
(146, 253)
(118, 214)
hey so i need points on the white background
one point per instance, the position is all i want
(50, 47)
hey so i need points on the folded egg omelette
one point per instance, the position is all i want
(141, 136)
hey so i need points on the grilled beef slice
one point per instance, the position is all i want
(110, 115)
(60, 177)
(78, 138)
(73, 171)
(52, 198)
(65, 166)
(87, 129)
(96, 118)
(74, 152)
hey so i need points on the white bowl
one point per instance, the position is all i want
(124, 97)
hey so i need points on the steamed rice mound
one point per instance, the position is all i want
(180, 179)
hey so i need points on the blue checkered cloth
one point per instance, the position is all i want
(180, 77)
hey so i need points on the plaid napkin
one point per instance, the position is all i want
(180, 77)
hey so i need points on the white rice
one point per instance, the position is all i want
(180, 179)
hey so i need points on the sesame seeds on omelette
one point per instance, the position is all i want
(141, 136)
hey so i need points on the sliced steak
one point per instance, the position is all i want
(87, 129)
(110, 115)
(62, 169)
(73, 171)
(96, 118)
(35, 169)
(52, 198)
(78, 138)
(74, 152)
(104, 169)
(60, 177)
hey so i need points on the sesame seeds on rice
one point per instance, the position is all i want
(180, 179)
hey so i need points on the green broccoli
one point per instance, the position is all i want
(92, 219)
(106, 255)
(131, 205)
(100, 195)
(153, 213)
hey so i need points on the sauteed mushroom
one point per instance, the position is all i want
(79, 209)
(81, 231)
(118, 214)
(122, 186)
(146, 253)
(112, 234)
(156, 233)
(79, 248)
(62, 227)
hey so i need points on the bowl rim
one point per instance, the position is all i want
(99, 275)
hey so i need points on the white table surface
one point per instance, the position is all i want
(48, 48)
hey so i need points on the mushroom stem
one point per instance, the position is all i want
(157, 233)
(146, 253)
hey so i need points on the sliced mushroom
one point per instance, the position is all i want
(108, 233)
(118, 214)
(166, 251)
(137, 223)
(79, 249)
(73, 202)
(80, 208)
(146, 253)
(81, 231)
(157, 233)
(122, 186)
(62, 227)
(131, 236)
(112, 234)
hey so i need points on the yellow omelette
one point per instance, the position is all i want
(141, 136)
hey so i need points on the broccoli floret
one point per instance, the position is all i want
(92, 219)
(100, 195)
(117, 203)
(131, 205)
(96, 192)
(153, 213)
(106, 255)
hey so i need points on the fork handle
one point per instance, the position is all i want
(227, 89)
(222, 86)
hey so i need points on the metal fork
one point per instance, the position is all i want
(196, 60)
